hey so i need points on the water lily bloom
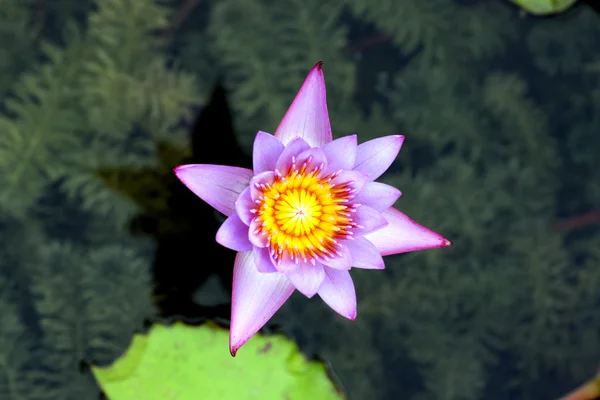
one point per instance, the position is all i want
(307, 212)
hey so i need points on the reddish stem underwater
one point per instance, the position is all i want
(577, 222)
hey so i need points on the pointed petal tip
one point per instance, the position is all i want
(316, 69)
(177, 169)
(217, 185)
(441, 243)
(396, 140)
(180, 171)
(400, 139)
(403, 235)
(255, 298)
(307, 116)
(236, 342)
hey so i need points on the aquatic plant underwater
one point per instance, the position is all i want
(97, 101)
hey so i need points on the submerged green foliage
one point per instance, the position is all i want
(16, 351)
(261, 70)
(101, 96)
(501, 115)
(18, 36)
(88, 305)
(85, 105)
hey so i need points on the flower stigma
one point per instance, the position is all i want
(304, 214)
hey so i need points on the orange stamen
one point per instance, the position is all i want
(304, 215)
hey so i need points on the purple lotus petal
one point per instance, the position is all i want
(340, 262)
(341, 153)
(286, 263)
(375, 156)
(358, 178)
(266, 177)
(255, 298)
(369, 220)
(233, 234)
(402, 234)
(316, 157)
(364, 254)
(243, 205)
(378, 195)
(262, 259)
(218, 185)
(306, 277)
(291, 151)
(307, 117)
(267, 149)
(337, 291)
(255, 236)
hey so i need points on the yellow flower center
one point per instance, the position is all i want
(304, 215)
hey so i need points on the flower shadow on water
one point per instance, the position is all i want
(184, 226)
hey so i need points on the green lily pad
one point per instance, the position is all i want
(182, 362)
(544, 7)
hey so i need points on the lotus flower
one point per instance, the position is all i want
(307, 212)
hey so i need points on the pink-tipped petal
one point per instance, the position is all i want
(255, 236)
(368, 219)
(233, 234)
(341, 153)
(402, 235)
(290, 153)
(337, 291)
(364, 254)
(263, 260)
(285, 263)
(256, 298)
(343, 261)
(378, 195)
(243, 206)
(306, 277)
(375, 156)
(264, 178)
(308, 117)
(218, 185)
(358, 179)
(267, 149)
(315, 158)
